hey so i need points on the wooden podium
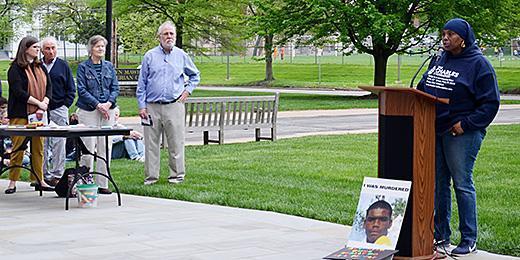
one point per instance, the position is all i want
(406, 151)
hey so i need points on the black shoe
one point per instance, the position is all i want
(38, 187)
(53, 181)
(10, 190)
(104, 191)
(32, 184)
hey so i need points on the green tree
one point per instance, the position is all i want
(138, 31)
(6, 30)
(385, 27)
(13, 12)
(259, 23)
(77, 20)
(195, 20)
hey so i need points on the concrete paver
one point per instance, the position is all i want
(36, 227)
(151, 228)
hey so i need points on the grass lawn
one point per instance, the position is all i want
(302, 73)
(287, 101)
(333, 75)
(295, 177)
(354, 71)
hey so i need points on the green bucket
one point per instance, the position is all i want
(87, 195)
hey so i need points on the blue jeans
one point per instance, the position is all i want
(134, 148)
(455, 158)
(118, 150)
(130, 148)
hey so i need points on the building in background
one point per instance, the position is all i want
(66, 50)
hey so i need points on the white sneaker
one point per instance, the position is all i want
(443, 247)
(141, 159)
(176, 180)
(149, 182)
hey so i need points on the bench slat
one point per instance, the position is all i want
(197, 115)
(263, 112)
(220, 113)
(239, 112)
(203, 115)
(216, 114)
(252, 112)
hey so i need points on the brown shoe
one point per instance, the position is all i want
(104, 191)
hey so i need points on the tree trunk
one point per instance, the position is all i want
(268, 47)
(380, 69)
(108, 30)
(114, 56)
(380, 61)
(179, 31)
(257, 45)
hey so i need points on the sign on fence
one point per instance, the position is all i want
(127, 74)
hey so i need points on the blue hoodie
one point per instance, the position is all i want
(467, 79)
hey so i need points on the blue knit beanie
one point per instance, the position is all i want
(462, 28)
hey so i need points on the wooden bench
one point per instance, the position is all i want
(127, 79)
(222, 113)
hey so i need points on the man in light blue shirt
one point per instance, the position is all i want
(167, 78)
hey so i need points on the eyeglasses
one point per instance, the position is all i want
(381, 219)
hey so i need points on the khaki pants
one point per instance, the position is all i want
(170, 119)
(96, 144)
(17, 157)
(54, 165)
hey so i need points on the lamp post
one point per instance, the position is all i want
(108, 32)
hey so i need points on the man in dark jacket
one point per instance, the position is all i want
(63, 93)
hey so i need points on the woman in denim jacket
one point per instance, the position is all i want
(97, 92)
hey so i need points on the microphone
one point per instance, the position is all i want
(433, 56)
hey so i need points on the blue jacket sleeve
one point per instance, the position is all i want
(83, 93)
(487, 98)
(70, 86)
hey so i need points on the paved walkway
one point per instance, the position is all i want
(323, 122)
(313, 91)
(36, 227)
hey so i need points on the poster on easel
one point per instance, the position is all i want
(378, 220)
(380, 213)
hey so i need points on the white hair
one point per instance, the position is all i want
(49, 39)
(164, 26)
(93, 41)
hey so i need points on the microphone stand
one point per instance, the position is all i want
(432, 56)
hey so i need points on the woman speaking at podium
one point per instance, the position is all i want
(465, 77)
